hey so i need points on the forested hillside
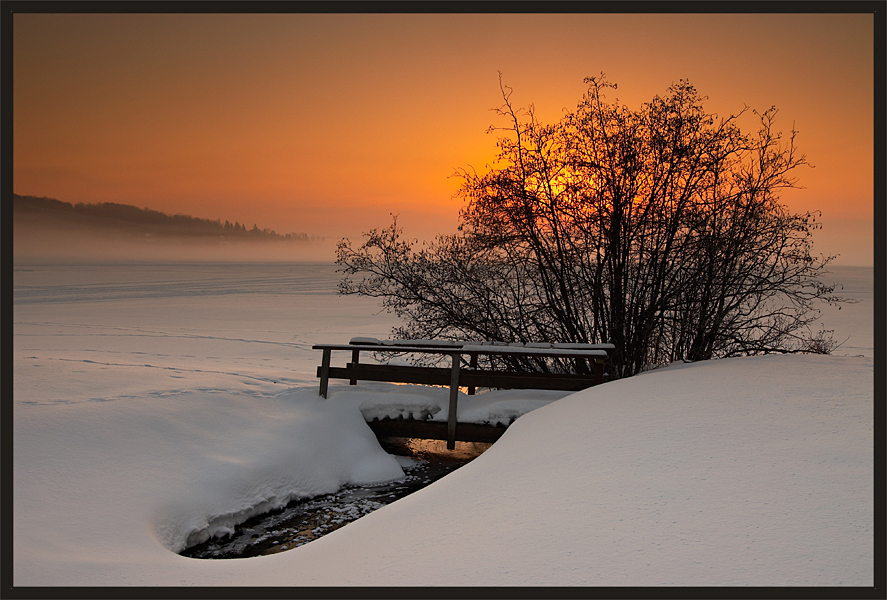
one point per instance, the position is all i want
(124, 217)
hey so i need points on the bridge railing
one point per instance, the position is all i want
(455, 376)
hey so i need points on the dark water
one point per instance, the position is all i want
(305, 520)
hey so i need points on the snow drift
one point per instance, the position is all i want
(753, 471)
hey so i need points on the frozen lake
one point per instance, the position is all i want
(853, 322)
(169, 326)
(245, 326)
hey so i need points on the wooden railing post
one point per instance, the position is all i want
(473, 366)
(325, 372)
(355, 358)
(454, 398)
(599, 365)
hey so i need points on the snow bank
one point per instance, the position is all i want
(750, 471)
(184, 468)
(753, 471)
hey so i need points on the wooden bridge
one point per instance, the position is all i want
(595, 356)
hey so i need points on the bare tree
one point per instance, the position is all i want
(658, 229)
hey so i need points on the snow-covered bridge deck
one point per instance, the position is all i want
(593, 356)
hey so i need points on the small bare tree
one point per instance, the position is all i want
(658, 229)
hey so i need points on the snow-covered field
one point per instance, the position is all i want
(156, 404)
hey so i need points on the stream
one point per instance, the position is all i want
(301, 521)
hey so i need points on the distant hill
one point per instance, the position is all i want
(123, 218)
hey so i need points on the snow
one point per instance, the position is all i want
(385, 400)
(157, 404)
(399, 342)
(478, 345)
(406, 347)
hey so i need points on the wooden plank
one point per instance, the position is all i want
(504, 380)
(476, 378)
(392, 373)
(435, 430)
(556, 381)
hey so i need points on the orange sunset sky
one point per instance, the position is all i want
(326, 123)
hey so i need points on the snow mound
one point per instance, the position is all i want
(749, 471)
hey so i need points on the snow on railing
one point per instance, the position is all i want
(478, 346)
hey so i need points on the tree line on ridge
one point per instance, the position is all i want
(112, 215)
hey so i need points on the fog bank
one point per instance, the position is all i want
(33, 241)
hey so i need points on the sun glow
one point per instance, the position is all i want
(328, 123)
